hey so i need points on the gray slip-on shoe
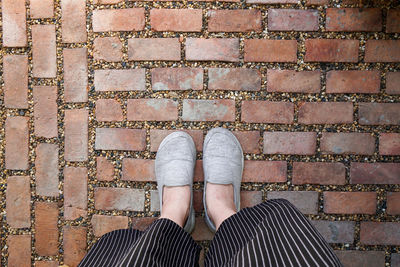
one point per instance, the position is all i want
(222, 164)
(174, 166)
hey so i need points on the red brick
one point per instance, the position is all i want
(73, 21)
(324, 173)
(267, 112)
(103, 224)
(177, 79)
(108, 49)
(272, 1)
(292, 20)
(167, 49)
(379, 113)
(354, 19)
(261, 171)
(374, 173)
(242, 20)
(389, 144)
(138, 170)
(361, 258)
(75, 75)
(249, 141)
(17, 141)
(129, 19)
(350, 202)
(234, 79)
(382, 51)
(44, 55)
(259, 50)
(74, 244)
(393, 203)
(347, 143)
(201, 230)
(14, 23)
(104, 169)
(250, 198)
(293, 81)
(45, 111)
(325, 112)
(19, 250)
(120, 139)
(176, 20)
(108, 110)
(119, 199)
(75, 192)
(46, 264)
(18, 199)
(46, 230)
(156, 137)
(305, 201)
(15, 75)
(120, 80)
(198, 171)
(46, 176)
(380, 233)
(142, 223)
(331, 50)
(393, 20)
(353, 81)
(317, 2)
(335, 231)
(152, 110)
(41, 8)
(393, 83)
(198, 205)
(218, 49)
(76, 135)
(208, 110)
(296, 143)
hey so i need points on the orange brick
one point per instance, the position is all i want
(200, 49)
(259, 50)
(108, 110)
(46, 264)
(75, 192)
(267, 112)
(353, 81)
(234, 79)
(45, 111)
(260, 171)
(46, 164)
(331, 50)
(354, 19)
(46, 230)
(73, 21)
(120, 139)
(17, 141)
(317, 2)
(393, 20)
(103, 224)
(293, 81)
(41, 8)
(296, 143)
(120, 80)
(382, 51)
(243, 20)
(119, 199)
(208, 110)
(379, 113)
(347, 143)
(249, 140)
(44, 55)
(177, 78)
(74, 244)
(393, 83)
(380, 233)
(76, 135)
(75, 75)
(393, 203)
(325, 112)
(325, 173)
(18, 199)
(15, 75)
(374, 173)
(129, 19)
(350, 202)
(167, 49)
(108, 49)
(19, 250)
(156, 137)
(104, 169)
(389, 144)
(176, 20)
(250, 198)
(138, 170)
(14, 23)
(152, 110)
(293, 20)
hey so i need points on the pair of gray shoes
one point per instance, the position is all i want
(222, 164)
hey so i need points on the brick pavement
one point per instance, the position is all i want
(90, 88)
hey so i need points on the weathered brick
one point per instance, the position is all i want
(44, 55)
(218, 49)
(176, 20)
(350, 202)
(198, 205)
(293, 81)
(380, 233)
(393, 20)
(138, 169)
(156, 137)
(75, 192)
(317, 2)
(379, 113)
(76, 135)
(14, 23)
(354, 19)
(261, 171)
(208, 110)
(120, 139)
(73, 21)
(46, 263)
(15, 76)
(393, 203)
(331, 50)
(74, 244)
(167, 49)
(249, 141)
(305, 201)
(119, 199)
(46, 230)
(75, 74)
(325, 173)
(46, 163)
(259, 50)
(108, 110)
(201, 231)
(272, 1)
(382, 51)
(250, 198)
(389, 144)
(325, 112)
(120, 80)
(108, 49)
(45, 111)
(155, 200)
(103, 224)
(142, 223)
(41, 8)
(356, 258)
(292, 20)
(267, 112)
(104, 169)
(129, 19)
(353, 81)
(297, 143)
(374, 173)
(393, 83)
(347, 143)
(152, 110)
(177, 79)
(17, 141)
(198, 171)
(18, 199)
(243, 20)
(335, 231)
(395, 261)
(107, 2)
(19, 250)
(234, 79)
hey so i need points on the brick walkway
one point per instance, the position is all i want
(311, 89)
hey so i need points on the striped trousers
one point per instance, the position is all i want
(273, 233)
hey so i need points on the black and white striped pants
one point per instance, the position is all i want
(273, 233)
